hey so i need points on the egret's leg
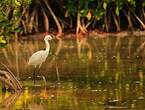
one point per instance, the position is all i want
(41, 75)
(38, 72)
(39, 69)
(34, 75)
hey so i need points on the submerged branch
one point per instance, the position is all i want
(10, 79)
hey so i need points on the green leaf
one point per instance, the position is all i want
(18, 30)
(2, 39)
(2, 45)
(117, 11)
(98, 13)
(3, 42)
(17, 3)
(83, 12)
(105, 5)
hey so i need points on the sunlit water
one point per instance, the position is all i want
(107, 74)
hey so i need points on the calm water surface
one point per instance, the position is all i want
(99, 74)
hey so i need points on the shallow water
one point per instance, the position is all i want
(102, 74)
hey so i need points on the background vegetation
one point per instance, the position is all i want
(78, 16)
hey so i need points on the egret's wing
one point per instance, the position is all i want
(38, 58)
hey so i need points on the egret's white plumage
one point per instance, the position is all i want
(40, 56)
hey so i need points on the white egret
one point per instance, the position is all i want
(40, 56)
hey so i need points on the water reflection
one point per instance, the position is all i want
(8, 101)
(93, 74)
(68, 96)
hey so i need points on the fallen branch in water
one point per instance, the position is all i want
(9, 78)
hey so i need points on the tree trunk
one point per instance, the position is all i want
(36, 23)
(116, 22)
(78, 23)
(54, 17)
(140, 21)
(31, 22)
(46, 20)
(130, 25)
(79, 26)
(106, 22)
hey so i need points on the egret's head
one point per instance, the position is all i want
(48, 37)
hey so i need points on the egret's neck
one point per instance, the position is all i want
(47, 45)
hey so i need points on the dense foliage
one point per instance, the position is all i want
(108, 15)
(10, 18)
(31, 16)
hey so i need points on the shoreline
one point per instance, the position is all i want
(93, 33)
(119, 34)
